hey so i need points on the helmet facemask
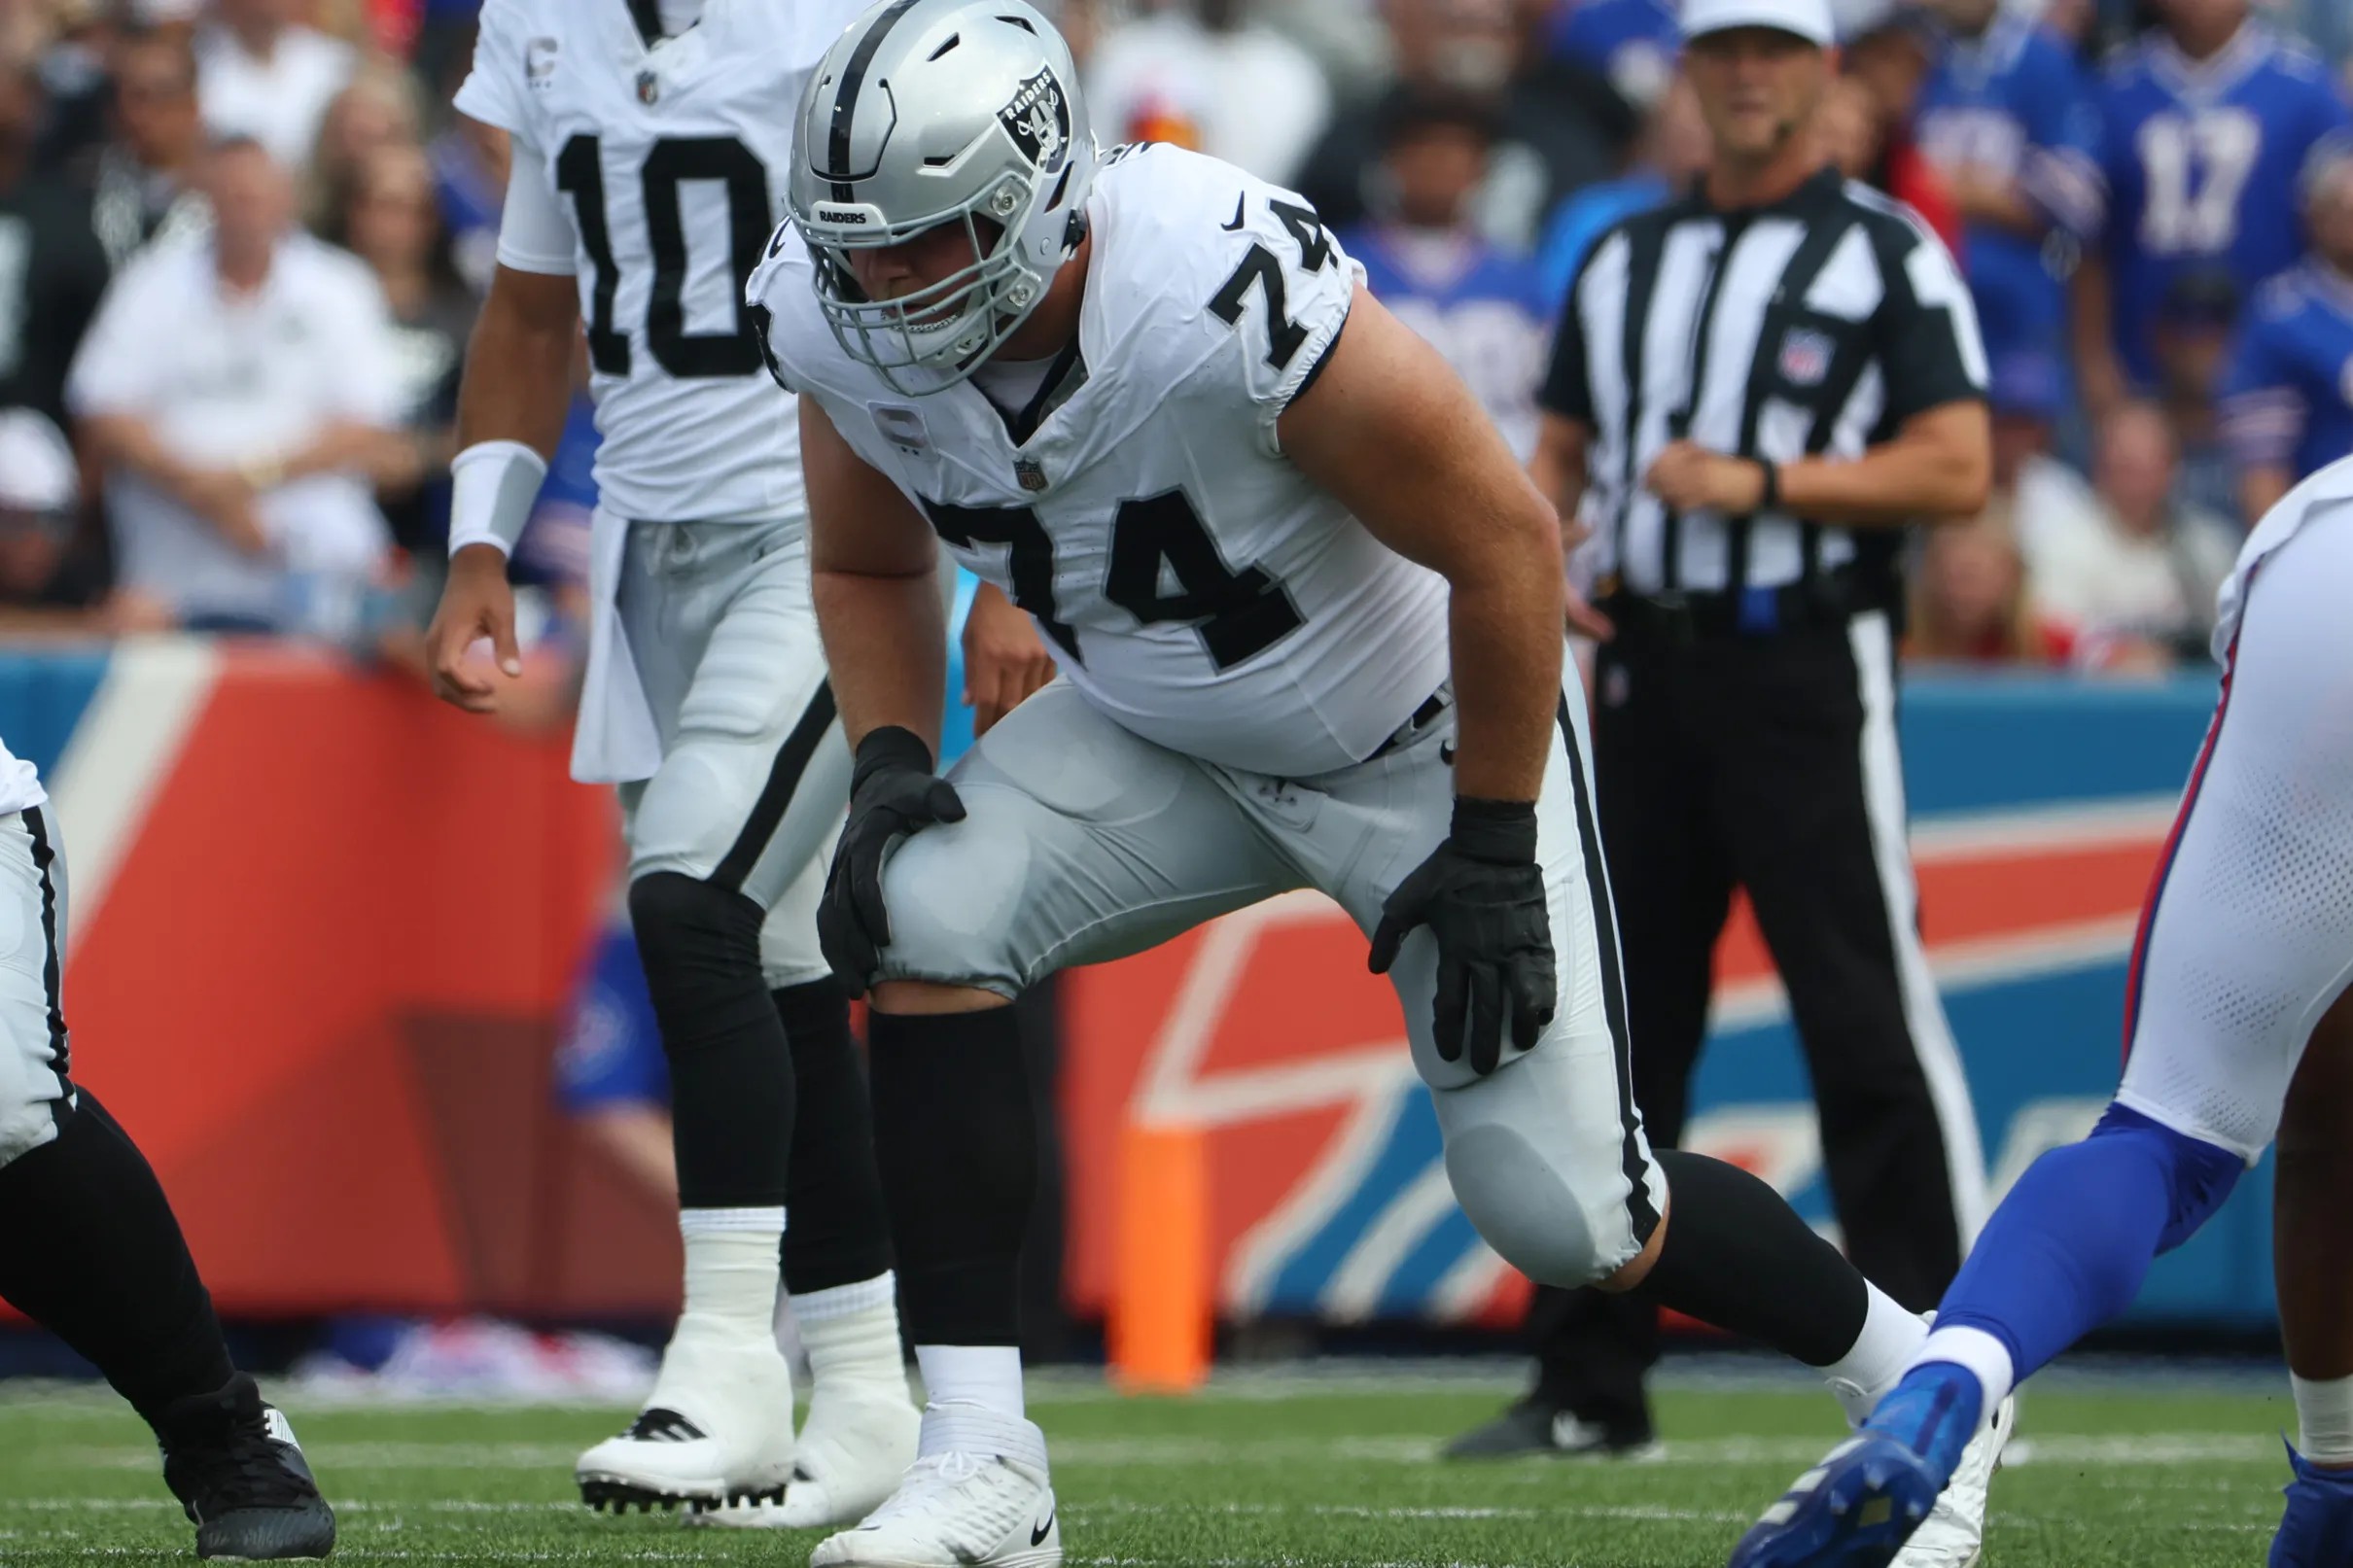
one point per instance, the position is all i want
(955, 118)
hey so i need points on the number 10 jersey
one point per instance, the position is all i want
(670, 158)
(1195, 585)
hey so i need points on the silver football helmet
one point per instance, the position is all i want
(932, 112)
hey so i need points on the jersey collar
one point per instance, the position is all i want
(2249, 50)
(1977, 60)
(1820, 189)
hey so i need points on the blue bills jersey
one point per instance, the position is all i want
(2204, 162)
(2288, 400)
(1481, 307)
(2011, 103)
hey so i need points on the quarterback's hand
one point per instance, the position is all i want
(1689, 477)
(892, 791)
(1481, 894)
(1005, 660)
(477, 603)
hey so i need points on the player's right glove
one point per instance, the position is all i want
(1482, 896)
(892, 793)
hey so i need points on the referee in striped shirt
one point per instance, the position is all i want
(1756, 389)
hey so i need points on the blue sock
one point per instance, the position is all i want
(2070, 1244)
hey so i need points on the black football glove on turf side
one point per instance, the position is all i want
(892, 793)
(1482, 896)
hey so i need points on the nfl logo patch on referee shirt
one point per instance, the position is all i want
(1806, 357)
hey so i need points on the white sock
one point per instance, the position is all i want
(988, 1375)
(851, 1333)
(1878, 1358)
(2324, 1418)
(1975, 1351)
(732, 1267)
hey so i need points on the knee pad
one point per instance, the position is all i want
(2200, 1175)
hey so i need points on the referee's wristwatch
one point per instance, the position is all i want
(1770, 500)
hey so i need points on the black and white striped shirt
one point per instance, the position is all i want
(1816, 326)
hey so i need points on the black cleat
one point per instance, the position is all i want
(1533, 1427)
(234, 1463)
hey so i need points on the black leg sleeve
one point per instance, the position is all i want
(1738, 1257)
(836, 1233)
(956, 1141)
(731, 1069)
(89, 1250)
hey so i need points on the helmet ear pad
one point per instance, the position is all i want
(933, 113)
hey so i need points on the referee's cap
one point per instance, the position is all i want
(1809, 20)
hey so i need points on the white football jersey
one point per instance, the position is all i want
(670, 155)
(2326, 490)
(1195, 585)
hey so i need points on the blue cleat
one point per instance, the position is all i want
(2317, 1529)
(1864, 1501)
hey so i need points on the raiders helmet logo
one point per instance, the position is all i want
(1038, 119)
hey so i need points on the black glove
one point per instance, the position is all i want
(892, 791)
(1482, 896)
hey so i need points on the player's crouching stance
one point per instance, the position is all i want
(2236, 1032)
(90, 1248)
(1309, 614)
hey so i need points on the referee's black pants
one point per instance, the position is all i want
(1770, 765)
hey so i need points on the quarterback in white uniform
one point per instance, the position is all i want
(1310, 617)
(650, 152)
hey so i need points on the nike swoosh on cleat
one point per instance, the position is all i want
(1039, 1535)
(802, 1472)
(1239, 201)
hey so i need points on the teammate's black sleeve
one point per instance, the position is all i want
(1927, 330)
(1567, 390)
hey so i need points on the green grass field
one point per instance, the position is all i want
(1263, 1472)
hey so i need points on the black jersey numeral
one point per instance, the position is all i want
(1029, 562)
(1239, 614)
(672, 163)
(1155, 541)
(1262, 270)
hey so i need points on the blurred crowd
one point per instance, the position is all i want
(242, 242)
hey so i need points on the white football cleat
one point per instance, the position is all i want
(977, 1496)
(718, 1428)
(855, 1448)
(1954, 1532)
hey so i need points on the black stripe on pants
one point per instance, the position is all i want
(1731, 763)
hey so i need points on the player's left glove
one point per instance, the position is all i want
(892, 793)
(1482, 896)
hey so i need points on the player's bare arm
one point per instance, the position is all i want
(1394, 435)
(873, 564)
(1938, 467)
(873, 572)
(1390, 431)
(517, 388)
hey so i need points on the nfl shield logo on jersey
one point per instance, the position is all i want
(1804, 357)
(1033, 477)
(648, 86)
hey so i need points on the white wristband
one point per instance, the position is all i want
(492, 485)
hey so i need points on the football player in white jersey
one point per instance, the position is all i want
(88, 1246)
(650, 152)
(1310, 616)
(2237, 1032)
